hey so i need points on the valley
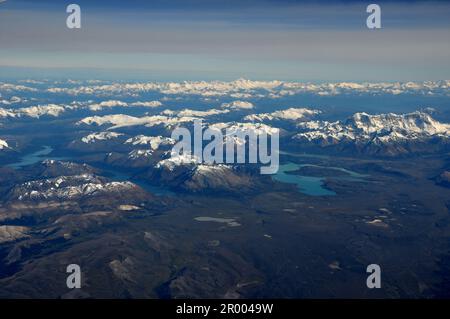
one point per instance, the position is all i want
(95, 184)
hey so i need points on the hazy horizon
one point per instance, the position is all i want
(205, 40)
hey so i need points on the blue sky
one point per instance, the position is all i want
(225, 40)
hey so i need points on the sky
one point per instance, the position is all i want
(172, 40)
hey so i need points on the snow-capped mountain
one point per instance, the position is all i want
(243, 88)
(38, 111)
(238, 105)
(4, 113)
(3, 144)
(153, 141)
(186, 173)
(41, 110)
(147, 104)
(216, 177)
(101, 136)
(256, 128)
(138, 154)
(12, 100)
(53, 168)
(291, 114)
(106, 104)
(115, 103)
(122, 120)
(387, 134)
(68, 187)
(194, 113)
(178, 160)
(234, 131)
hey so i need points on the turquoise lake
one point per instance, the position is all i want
(311, 185)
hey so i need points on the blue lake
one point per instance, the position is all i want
(311, 185)
(33, 158)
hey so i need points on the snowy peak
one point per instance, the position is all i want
(33, 111)
(3, 144)
(291, 114)
(238, 105)
(388, 132)
(54, 168)
(138, 154)
(41, 110)
(102, 136)
(256, 128)
(176, 160)
(153, 141)
(245, 89)
(416, 122)
(68, 187)
(106, 104)
(122, 120)
(115, 119)
(195, 113)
